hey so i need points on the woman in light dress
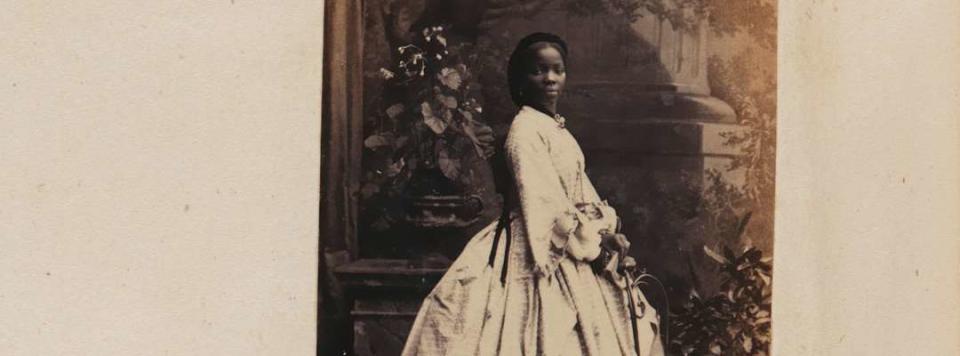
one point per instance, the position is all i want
(540, 281)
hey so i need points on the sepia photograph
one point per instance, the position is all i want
(546, 177)
(480, 177)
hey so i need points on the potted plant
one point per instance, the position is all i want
(422, 153)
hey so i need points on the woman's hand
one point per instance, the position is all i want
(615, 242)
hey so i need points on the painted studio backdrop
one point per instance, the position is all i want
(672, 101)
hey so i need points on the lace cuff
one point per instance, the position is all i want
(563, 229)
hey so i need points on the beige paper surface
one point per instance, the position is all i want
(160, 161)
(868, 179)
(159, 186)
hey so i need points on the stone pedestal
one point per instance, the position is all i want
(655, 173)
(385, 297)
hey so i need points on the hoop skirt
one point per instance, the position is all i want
(549, 301)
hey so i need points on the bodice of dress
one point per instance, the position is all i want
(548, 168)
(561, 147)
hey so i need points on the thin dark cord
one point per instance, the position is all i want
(633, 314)
(506, 251)
(496, 242)
(664, 324)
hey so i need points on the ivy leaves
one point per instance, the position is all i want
(758, 18)
(734, 321)
(435, 123)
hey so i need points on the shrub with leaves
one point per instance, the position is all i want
(725, 17)
(734, 321)
(751, 91)
(429, 122)
(716, 300)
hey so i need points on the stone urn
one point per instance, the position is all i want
(443, 211)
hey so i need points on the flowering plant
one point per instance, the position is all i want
(429, 121)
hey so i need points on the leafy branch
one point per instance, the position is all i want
(735, 320)
(725, 17)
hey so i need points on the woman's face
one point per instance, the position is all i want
(545, 76)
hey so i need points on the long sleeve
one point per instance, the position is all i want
(549, 216)
(589, 192)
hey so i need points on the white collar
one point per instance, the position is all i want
(559, 120)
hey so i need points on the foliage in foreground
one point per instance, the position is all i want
(735, 320)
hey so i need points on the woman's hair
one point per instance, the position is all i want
(516, 67)
(502, 176)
